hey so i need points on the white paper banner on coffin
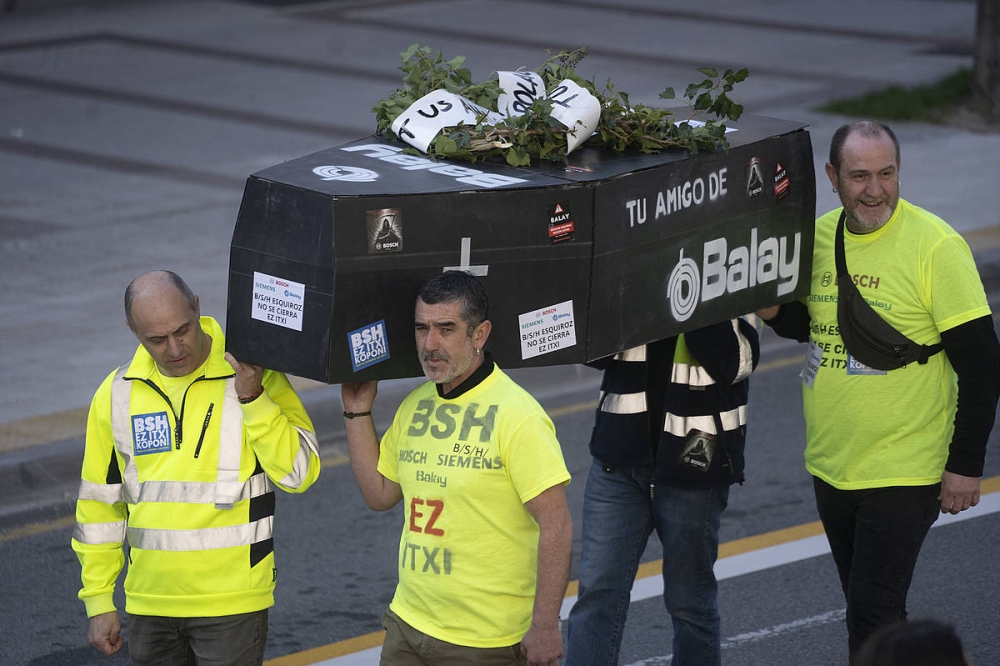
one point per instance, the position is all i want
(577, 109)
(520, 89)
(425, 118)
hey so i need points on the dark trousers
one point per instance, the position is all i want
(875, 536)
(230, 640)
(405, 646)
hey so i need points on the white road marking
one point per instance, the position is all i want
(760, 634)
(727, 567)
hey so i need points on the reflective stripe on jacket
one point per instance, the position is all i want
(695, 384)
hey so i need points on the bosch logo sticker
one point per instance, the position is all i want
(150, 433)
(547, 330)
(755, 178)
(278, 301)
(346, 174)
(369, 345)
(560, 223)
(385, 231)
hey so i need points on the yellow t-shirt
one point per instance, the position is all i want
(468, 553)
(868, 428)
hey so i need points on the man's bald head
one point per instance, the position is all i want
(163, 313)
(153, 284)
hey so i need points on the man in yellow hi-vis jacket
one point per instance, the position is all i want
(184, 447)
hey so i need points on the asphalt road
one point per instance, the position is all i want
(127, 132)
(337, 559)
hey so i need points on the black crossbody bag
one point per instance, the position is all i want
(869, 338)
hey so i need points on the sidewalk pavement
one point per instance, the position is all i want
(128, 128)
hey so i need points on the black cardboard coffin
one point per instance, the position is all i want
(580, 260)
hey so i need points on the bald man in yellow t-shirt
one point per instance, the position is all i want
(890, 449)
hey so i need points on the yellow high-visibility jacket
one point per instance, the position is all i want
(191, 487)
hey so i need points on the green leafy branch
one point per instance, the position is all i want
(537, 135)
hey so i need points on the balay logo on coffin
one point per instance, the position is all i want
(729, 271)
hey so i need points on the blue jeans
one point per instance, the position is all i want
(875, 536)
(621, 508)
(229, 640)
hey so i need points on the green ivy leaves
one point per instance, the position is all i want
(537, 135)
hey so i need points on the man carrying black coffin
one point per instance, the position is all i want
(185, 446)
(901, 380)
(485, 551)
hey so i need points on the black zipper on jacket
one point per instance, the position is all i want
(204, 427)
(179, 420)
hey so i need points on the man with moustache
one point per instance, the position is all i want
(889, 449)
(484, 556)
(184, 448)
